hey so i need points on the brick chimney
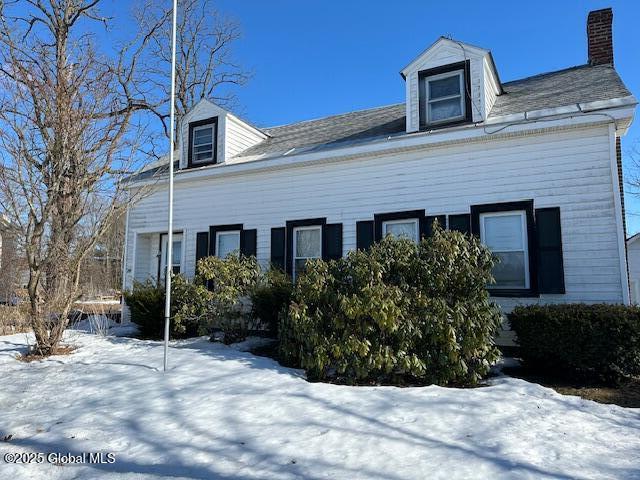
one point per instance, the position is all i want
(600, 37)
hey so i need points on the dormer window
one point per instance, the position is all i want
(443, 95)
(203, 136)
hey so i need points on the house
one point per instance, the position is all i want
(8, 269)
(633, 253)
(531, 166)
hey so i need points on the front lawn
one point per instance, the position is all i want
(223, 413)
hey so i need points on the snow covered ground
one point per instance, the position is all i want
(223, 413)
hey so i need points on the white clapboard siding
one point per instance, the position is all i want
(239, 137)
(143, 252)
(569, 169)
(489, 86)
(633, 249)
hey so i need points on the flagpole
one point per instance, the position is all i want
(169, 260)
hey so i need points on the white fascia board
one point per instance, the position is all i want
(629, 100)
(472, 49)
(406, 142)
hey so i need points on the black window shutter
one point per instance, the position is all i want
(332, 241)
(202, 245)
(364, 234)
(248, 242)
(550, 263)
(460, 223)
(428, 223)
(278, 247)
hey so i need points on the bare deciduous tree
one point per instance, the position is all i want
(204, 65)
(71, 125)
(76, 116)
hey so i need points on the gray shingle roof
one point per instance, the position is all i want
(581, 84)
(331, 131)
(574, 85)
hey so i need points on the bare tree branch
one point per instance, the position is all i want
(70, 129)
(204, 64)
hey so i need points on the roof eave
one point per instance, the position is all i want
(413, 140)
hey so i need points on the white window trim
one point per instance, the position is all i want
(461, 96)
(525, 242)
(415, 221)
(209, 159)
(226, 232)
(295, 244)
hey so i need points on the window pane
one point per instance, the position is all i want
(203, 148)
(503, 232)
(444, 87)
(510, 272)
(203, 135)
(402, 230)
(228, 243)
(308, 243)
(443, 109)
(176, 252)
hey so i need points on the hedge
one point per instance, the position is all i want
(146, 304)
(599, 341)
(397, 313)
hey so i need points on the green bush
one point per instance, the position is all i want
(220, 291)
(189, 305)
(590, 341)
(146, 305)
(270, 297)
(216, 299)
(399, 312)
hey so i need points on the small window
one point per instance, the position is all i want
(227, 243)
(444, 98)
(176, 255)
(407, 228)
(202, 142)
(307, 245)
(505, 233)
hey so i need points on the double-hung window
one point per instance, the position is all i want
(442, 98)
(505, 234)
(307, 245)
(406, 228)
(202, 142)
(227, 243)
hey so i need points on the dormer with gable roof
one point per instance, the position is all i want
(450, 83)
(212, 135)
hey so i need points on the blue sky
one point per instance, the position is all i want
(315, 58)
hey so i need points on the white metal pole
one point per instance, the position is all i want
(169, 261)
(124, 260)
